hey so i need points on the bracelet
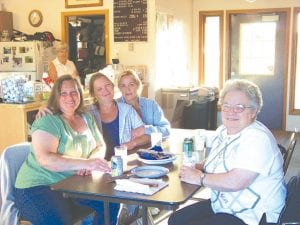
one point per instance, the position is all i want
(202, 176)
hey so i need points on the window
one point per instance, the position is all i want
(171, 50)
(211, 48)
(257, 41)
(295, 68)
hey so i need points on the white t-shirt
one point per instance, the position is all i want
(254, 149)
(63, 69)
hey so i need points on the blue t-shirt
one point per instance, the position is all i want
(111, 136)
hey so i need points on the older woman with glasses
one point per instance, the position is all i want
(244, 167)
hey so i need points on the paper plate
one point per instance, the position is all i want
(150, 171)
(158, 161)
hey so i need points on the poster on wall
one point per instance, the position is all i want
(130, 20)
(82, 3)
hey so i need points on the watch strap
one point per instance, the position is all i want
(202, 176)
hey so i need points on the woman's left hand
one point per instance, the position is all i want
(190, 175)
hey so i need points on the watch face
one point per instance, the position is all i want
(35, 18)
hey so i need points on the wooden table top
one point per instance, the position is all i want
(177, 192)
(97, 186)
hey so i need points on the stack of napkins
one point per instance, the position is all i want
(140, 185)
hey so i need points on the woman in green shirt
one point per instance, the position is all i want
(63, 144)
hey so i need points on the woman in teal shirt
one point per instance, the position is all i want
(63, 144)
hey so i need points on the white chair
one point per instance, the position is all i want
(10, 163)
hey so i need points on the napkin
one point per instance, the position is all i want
(145, 186)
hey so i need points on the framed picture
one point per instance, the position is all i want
(141, 70)
(82, 3)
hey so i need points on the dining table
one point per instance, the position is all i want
(98, 186)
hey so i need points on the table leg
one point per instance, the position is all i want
(106, 213)
(145, 215)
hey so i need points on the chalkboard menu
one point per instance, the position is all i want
(130, 20)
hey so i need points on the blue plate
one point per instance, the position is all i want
(150, 171)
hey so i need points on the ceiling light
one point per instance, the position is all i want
(250, 1)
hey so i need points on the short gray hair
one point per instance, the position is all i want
(250, 89)
(61, 46)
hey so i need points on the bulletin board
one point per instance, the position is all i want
(130, 20)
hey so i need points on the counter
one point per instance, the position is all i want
(15, 120)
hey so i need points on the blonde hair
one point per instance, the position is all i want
(134, 76)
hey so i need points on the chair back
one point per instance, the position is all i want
(289, 152)
(10, 163)
(291, 213)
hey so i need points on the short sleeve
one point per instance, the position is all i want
(49, 123)
(255, 152)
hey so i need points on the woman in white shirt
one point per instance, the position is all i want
(244, 168)
(61, 65)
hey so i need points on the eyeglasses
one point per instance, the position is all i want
(235, 108)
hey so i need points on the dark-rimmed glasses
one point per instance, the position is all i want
(239, 108)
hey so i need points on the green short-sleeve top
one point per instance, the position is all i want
(71, 143)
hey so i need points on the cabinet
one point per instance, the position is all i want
(6, 22)
(15, 122)
(145, 90)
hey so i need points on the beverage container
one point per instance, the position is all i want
(200, 140)
(188, 147)
(122, 152)
(156, 139)
(188, 152)
(116, 166)
(200, 145)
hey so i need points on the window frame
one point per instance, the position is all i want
(202, 18)
(292, 109)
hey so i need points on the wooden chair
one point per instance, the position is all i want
(10, 163)
(288, 152)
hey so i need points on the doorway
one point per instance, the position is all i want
(87, 34)
(258, 52)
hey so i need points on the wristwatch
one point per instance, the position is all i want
(202, 176)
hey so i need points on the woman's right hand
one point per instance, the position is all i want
(43, 111)
(98, 164)
(137, 132)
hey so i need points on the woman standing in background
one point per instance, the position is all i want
(61, 65)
